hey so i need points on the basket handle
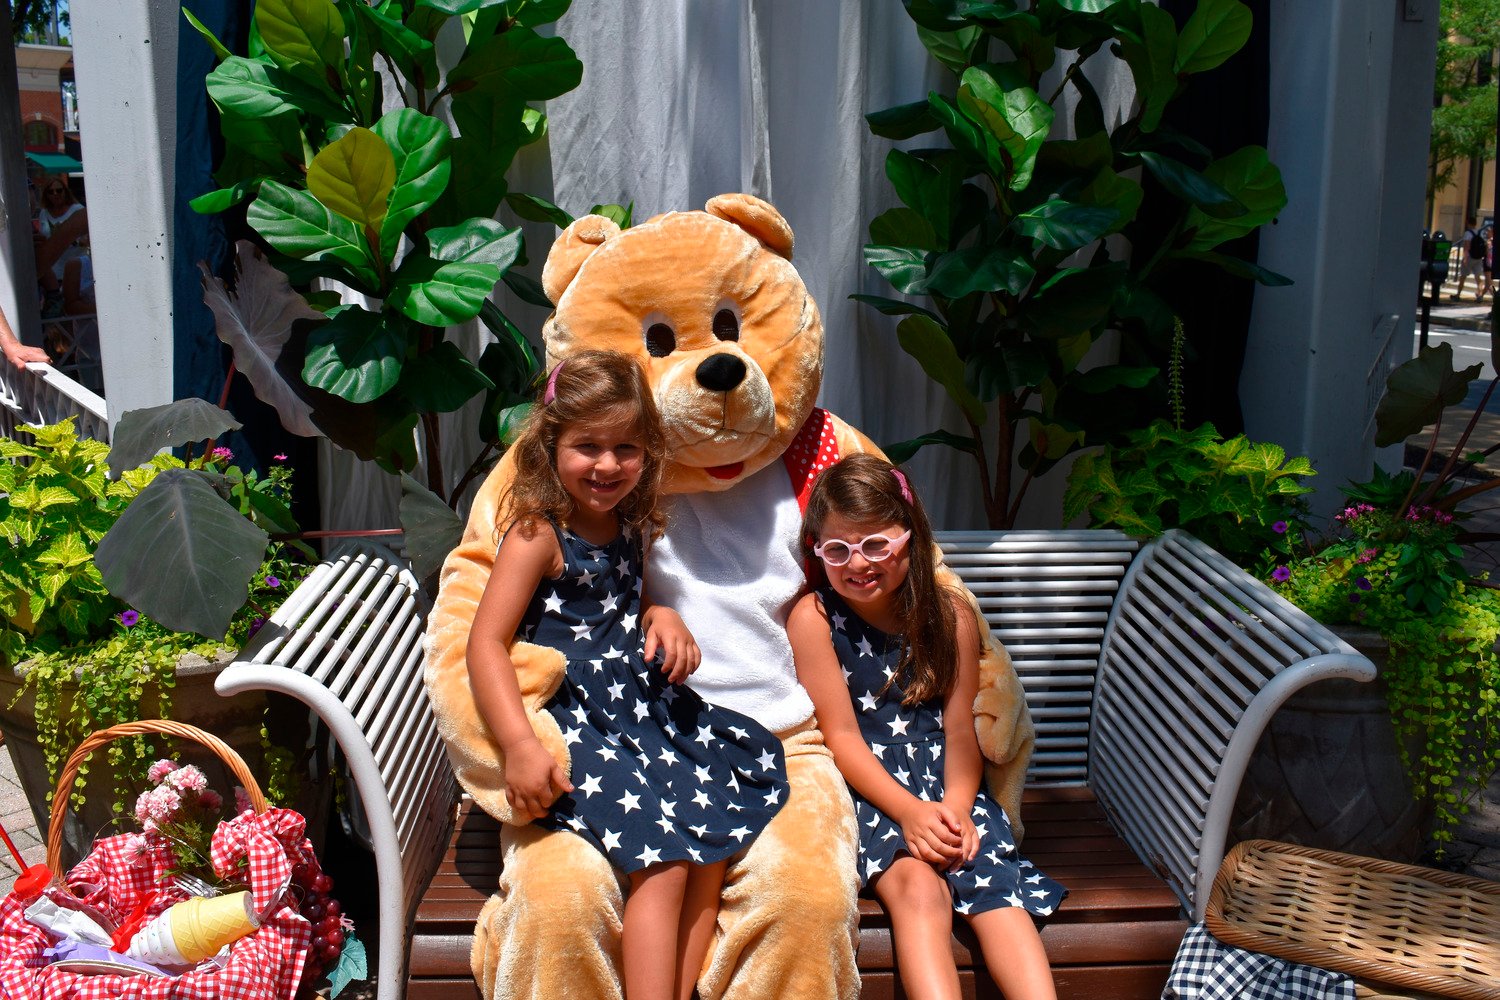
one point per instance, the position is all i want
(225, 752)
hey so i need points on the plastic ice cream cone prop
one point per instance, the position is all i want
(190, 931)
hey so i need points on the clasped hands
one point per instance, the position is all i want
(937, 833)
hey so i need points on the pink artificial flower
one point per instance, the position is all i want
(187, 779)
(211, 800)
(222, 454)
(160, 770)
(279, 457)
(242, 802)
(1366, 556)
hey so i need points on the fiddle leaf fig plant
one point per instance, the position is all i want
(1029, 233)
(396, 205)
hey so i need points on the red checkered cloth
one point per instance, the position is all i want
(122, 870)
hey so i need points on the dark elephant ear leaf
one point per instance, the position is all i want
(142, 433)
(432, 529)
(182, 556)
(1417, 392)
(256, 322)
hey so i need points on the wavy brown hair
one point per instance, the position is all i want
(862, 489)
(592, 387)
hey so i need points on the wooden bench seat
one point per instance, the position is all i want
(1150, 676)
(1114, 936)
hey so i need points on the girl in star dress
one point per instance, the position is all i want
(666, 786)
(891, 660)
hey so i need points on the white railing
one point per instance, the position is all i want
(43, 395)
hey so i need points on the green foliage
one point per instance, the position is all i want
(1403, 577)
(1463, 113)
(992, 227)
(397, 205)
(1241, 497)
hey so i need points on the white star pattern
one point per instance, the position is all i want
(610, 602)
(622, 568)
(766, 760)
(590, 785)
(649, 856)
(553, 604)
(899, 726)
(580, 631)
(616, 690)
(610, 840)
(628, 621)
(700, 798)
(838, 621)
(739, 833)
(630, 801)
(739, 733)
(865, 649)
(573, 736)
(867, 703)
(702, 773)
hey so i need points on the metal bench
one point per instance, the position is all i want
(1150, 675)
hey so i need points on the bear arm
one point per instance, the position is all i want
(477, 760)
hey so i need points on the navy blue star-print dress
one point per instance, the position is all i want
(909, 741)
(658, 774)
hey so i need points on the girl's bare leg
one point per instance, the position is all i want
(1014, 954)
(648, 940)
(700, 911)
(921, 910)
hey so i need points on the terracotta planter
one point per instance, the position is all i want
(236, 720)
(1327, 772)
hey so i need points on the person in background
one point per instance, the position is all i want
(64, 266)
(1471, 257)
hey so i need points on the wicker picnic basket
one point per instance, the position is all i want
(121, 870)
(1400, 925)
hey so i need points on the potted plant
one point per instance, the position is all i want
(1029, 246)
(78, 657)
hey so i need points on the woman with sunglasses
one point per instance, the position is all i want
(68, 283)
(891, 661)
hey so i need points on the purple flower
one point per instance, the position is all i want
(1279, 527)
(1367, 555)
(1362, 583)
(279, 457)
(223, 453)
(272, 582)
(129, 618)
(255, 626)
(1281, 574)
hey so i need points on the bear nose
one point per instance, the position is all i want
(721, 372)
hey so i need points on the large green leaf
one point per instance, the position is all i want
(893, 307)
(903, 121)
(904, 227)
(1192, 186)
(924, 339)
(530, 13)
(491, 130)
(526, 288)
(1239, 268)
(510, 362)
(519, 65)
(356, 355)
(968, 136)
(1016, 116)
(437, 293)
(270, 145)
(300, 226)
(979, 269)
(951, 48)
(181, 555)
(254, 89)
(353, 176)
(903, 267)
(1417, 392)
(419, 146)
(1216, 30)
(534, 209)
(999, 370)
(429, 527)
(413, 54)
(1107, 377)
(441, 380)
(208, 36)
(256, 323)
(306, 33)
(1063, 225)
(1152, 63)
(142, 433)
(1252, 180)
(927, 186)
(900, 451)
(1074, 301)
(213, 202)
(477, 241)
(1117, 193)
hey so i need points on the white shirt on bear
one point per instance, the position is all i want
(730, 565)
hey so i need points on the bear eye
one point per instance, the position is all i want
(726, 325)
(660, 340)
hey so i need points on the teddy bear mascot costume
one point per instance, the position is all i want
(732, 344)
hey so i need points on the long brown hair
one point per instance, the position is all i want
(589, 387)
(865, 489)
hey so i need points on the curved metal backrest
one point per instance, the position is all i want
(1197, 657)
(1047, 596)
(348, 642)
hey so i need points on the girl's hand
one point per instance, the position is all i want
(666, 632)
(968, 835)
(533, 780)
(932, 832)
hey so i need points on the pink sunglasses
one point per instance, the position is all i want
(875, 548)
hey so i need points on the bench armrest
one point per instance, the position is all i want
(348, 644)
(1198, 655)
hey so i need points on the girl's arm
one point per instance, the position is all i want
(665, 630)
(963, 766)
(930, 834)
(533, 779)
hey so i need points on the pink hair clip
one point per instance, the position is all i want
(551, 391)
(901, 480)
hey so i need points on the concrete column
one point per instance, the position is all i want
(125, 54)
(1351, 106)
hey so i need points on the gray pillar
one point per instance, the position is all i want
(1351, 108)
(125, 54)
(17, 261)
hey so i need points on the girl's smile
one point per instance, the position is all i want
(599, 464)
(868, 585)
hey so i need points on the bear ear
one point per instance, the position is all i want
(756, 217)
(572, 248)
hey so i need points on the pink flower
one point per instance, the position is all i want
(279, 457)
(222, 454)
(160, 770)
(187, 779)
(211, 800)
(1366, 556)
(242, 802)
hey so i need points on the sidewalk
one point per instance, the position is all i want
(15, 816)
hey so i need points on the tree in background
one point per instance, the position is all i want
(1463, 114)
(43, 22)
